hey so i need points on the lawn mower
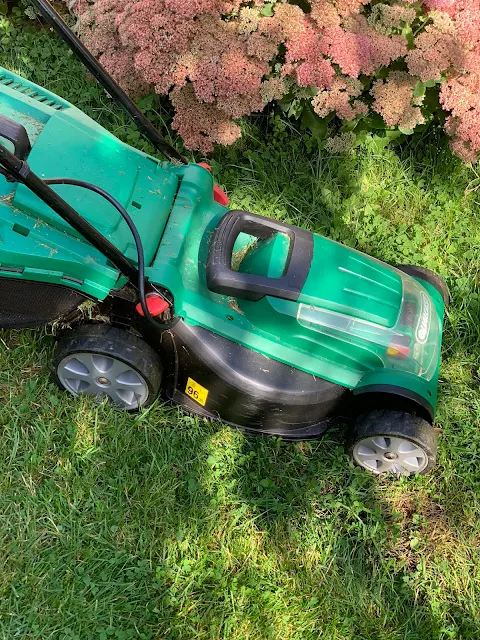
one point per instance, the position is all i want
(160, 289)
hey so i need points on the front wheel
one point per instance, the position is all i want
(394, 442)
(110, 363)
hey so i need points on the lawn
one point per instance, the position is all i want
(161, 525)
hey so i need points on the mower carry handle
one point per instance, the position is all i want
(221, 278)
(17, 134)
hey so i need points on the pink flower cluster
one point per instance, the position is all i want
(395, 102)
(449, 50)
(438, 49)
(186, 49)
(360, 48)
(340, 98)
(331, 13)
(219, 60)
(461, 97)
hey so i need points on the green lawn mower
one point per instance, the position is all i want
(234, 316)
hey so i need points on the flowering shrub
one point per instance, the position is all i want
(408, 62)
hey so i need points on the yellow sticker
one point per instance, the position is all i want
(197, 392)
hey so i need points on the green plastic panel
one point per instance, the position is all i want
(341, 279)
(347, 281)
(66, 143)
(141, 185)
(428, 389)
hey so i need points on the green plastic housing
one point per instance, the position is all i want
(66, 143)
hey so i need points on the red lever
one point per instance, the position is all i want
(155, 304)
(218, 194)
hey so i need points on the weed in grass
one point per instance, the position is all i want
(162, 525)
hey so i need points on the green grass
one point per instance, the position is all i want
(165, 526)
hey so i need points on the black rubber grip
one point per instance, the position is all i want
(17, 134)
(222, 279)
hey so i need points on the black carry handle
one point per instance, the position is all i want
(17, 134)
(222, 279)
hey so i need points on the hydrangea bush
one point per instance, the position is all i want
(387, 64)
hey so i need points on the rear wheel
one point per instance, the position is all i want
(429, 276)
(106, 362)
(393, 442)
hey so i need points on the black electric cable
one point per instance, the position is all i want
(136, 237)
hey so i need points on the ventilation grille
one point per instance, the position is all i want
(16, 85)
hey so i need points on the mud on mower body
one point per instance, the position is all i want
(269, 327)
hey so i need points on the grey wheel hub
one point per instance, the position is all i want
(106, 377)
(386, 454)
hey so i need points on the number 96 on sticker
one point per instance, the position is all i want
(196, 392)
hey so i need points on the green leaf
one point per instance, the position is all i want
(379, 143)
(406, 132)
(375, 121)
(285, 102)
(3, 8)
(361, 137)
(267, 10)
(349, 125)
(382, 72)
(430, 83)
(432, 100)
(393, 134)
(414, 542)
(318, 126)
(419, 90)
(409, 36)
(295, 110)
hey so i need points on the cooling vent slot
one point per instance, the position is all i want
(13, 83)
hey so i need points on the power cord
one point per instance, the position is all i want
(136, 237)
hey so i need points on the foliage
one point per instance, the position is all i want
(165, 526)
(396, 66)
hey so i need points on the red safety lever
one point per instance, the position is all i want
(218, 194)
(155, 304)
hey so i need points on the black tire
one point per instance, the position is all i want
(115, 345)
(429, 276)
(395, 427)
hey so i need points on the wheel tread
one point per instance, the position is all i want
(395, 424)
(113, 342)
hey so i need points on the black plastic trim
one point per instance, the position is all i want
(222, 279)
(247, 389)
(377, 390)
(17, 134)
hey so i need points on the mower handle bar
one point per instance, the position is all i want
(108, 83)
(16, 134)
